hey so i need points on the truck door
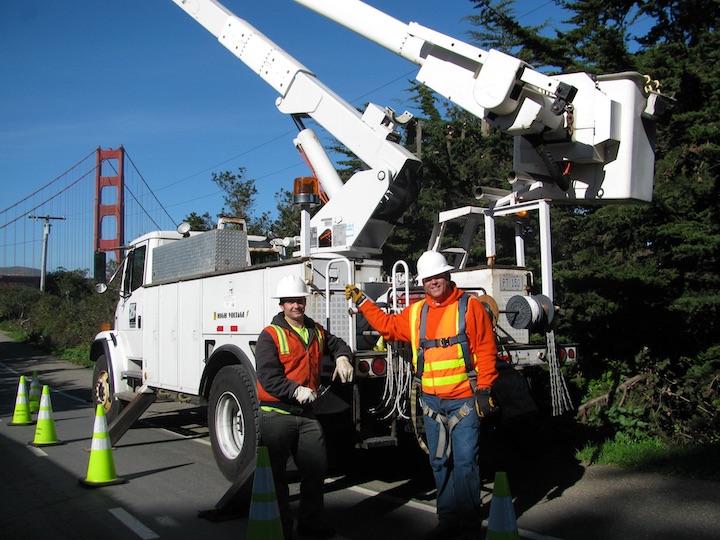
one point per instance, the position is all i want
(130, 323)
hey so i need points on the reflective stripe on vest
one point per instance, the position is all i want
(282, 339)
(464, 359)
(283, 342)
(319, 333)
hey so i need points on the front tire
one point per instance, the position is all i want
(233, 420)
(103, 389)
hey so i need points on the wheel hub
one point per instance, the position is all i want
(230, 425)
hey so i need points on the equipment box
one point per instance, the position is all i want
(212, 252)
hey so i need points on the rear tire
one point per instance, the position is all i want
(233, 420)
(103, 389)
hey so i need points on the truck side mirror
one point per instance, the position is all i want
(100, 288)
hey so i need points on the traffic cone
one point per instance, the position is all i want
(21, 415)
(45, 434)
(34, 397)
(101, 468)
(502, 524)
(264, 520)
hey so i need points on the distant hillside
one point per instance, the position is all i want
(23, 271)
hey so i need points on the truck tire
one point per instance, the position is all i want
(103, 389)
(233, 420)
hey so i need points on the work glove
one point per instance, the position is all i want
(303, 395)
(484, 403)
(343, 369)
(353, 292)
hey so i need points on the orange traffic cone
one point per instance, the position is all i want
(264, 520)
(502, 524)
(101, 468)
(21, 415)
(45, 434)
(34, 396)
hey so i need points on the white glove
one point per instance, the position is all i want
(343, 369)
(303, 395)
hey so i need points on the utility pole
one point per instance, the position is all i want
(46, 235)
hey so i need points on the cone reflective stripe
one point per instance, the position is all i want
(21, 415)
(502, 524)
(34, 397)
(45, 434)
(101, 468)
(264, 520)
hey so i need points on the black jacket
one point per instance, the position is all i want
(270, 370)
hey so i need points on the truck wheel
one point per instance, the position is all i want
(233, 420)
(103, 390)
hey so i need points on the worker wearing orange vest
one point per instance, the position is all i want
(454, 354)
(288, 356)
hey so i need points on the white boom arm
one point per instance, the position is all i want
(577, 137)
(359, 215)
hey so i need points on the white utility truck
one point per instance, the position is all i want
(192, 304)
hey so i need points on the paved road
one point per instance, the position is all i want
(383, 495)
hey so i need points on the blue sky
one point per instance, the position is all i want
(141, 73)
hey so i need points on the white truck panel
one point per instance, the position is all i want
(190, 353)
(168, 337)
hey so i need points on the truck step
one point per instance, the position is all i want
(378, 442)
(132, 411)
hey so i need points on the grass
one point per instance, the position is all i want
(79, 355)
(14, 331)
(654, 455)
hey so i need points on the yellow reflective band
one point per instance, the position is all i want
(441, 365)
(450, 379)
(320, 338)
(267, 408)
(282, 339)
(415, 328)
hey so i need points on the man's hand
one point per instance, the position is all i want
(303, 395)
(484, 403)
(343, 369)
(353, 292)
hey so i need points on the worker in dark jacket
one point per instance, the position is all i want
(288, 356)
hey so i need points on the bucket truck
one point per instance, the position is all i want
(578, 139)
(192, 304)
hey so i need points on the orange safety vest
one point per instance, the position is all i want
(301, 361)
(444, 364)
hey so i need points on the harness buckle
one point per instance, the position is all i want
(444, 342)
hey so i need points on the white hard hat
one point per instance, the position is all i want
(431, 263)
(291, 287)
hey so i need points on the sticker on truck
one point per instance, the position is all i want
(512, 283)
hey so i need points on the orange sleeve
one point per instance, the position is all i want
(391, 327)
(482, 342)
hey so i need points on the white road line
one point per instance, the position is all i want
(8, 368)
(373, 493)
(204, 441)
(37, 451)
(11, 370)
(132, 523)
(530, 535)
(81, 400)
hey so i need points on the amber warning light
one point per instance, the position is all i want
(306, 191)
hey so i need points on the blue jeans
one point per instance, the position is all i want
(457, 478)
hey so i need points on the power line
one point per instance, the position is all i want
(49, 199)
(46, 185)
(150, 190)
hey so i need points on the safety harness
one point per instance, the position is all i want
(446, 423)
